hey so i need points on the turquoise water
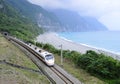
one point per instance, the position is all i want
(109, 40)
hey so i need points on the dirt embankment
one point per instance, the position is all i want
(16, 67)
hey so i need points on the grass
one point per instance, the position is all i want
(81, 74)
(11, 75)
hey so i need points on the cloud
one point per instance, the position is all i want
(52, 4)
(111, 20)
(95, 8)
(87, 7)
(103, 10)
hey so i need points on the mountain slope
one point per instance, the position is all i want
(94, 23)
(14, 23)
(45, 19)
(23, 15)
(74, 22)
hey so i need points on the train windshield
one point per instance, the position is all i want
(49, 57)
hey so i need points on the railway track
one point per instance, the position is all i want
(60, 75)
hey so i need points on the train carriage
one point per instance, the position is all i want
(47, 57)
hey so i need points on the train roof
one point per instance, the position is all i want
(44, 53)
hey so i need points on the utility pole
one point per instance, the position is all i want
(61, 55)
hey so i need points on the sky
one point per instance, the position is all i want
(106, 11)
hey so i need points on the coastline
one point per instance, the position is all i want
(55, 40)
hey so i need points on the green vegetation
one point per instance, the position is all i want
(16, 24)
(35, 13)
(77, 72)
(20, 23)
(12, 75)
(99, 65)
(30, 10)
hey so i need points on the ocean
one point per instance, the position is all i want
(106, 40)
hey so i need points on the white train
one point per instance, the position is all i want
(47, 57)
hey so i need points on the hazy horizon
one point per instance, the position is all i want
(106, 11)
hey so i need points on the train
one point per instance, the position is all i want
(45, 56)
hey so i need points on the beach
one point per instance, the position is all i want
(56, 41)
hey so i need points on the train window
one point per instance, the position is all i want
(35, 48)
(48, 57)
(40, 50)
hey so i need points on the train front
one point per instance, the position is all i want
(49, 58)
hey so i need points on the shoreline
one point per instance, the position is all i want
(56, 40)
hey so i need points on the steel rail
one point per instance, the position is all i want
(61, 75)
(54, 69)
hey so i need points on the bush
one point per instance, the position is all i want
(39, 44)
(100, 65)
(117, 81)
(96, 64)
